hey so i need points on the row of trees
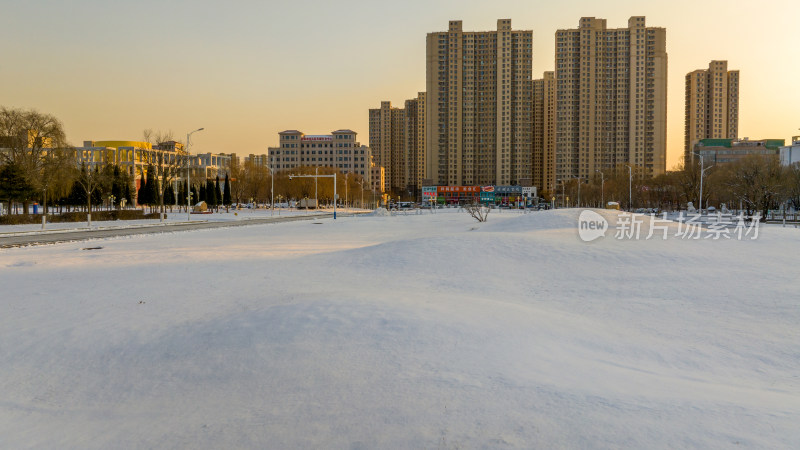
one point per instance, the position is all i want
(753, 183)
(253, 183)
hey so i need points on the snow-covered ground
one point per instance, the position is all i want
(411, 331)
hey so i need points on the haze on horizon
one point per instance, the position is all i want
(247, 70)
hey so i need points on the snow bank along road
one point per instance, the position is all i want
(406, 332)
(51, 237)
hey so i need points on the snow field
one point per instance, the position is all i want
(418, 331)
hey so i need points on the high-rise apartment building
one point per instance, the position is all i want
(478, 124)
(544, 132)
(712, 105)
(415, 143)
(611, 98)
(387, 141)
(397, 139)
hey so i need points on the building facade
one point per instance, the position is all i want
(544, 133)
(723, 151)
(397, 141)
(712, 105)
(415, 136)
(387, 141)
(478, 105)
(338, 149)
(133, 157)
(790, 154)
(257, 160)
(611, 98)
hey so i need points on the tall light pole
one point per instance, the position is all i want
(189, 174)
(579, 190)
(630, 188)
(602, 188)
(702, 171)
(272, 192)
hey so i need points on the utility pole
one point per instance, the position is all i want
(630, 188)
(602, 188)
(189, 174)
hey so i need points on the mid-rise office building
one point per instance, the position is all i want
(544, 132)
(478, 122)
(611, 98)
(338, 149)
(712, 105)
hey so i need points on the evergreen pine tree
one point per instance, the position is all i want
(153, 195)
(141, 195)
(14, 185)
(97, 193)
(77, 195)
(117, 186)
(218, 194)
(169, 196)
(195, 195)
(211, 194)
(181, 200)
(202, 193)
(128, 193)
(226, 198)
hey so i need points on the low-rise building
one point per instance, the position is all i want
(134, 157)
(790, 154)
(721, 151)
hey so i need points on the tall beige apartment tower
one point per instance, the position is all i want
(544, 133)
(387, 141)
(611, 98)
(415, 143)
(478, 106)
(712, 105)
(398, 137)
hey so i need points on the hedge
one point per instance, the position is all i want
(123, 214)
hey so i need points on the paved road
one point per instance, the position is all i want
(53, 237)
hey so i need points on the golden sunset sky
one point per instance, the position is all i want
(247, 70)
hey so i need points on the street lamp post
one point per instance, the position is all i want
(630, 188)
(702, 172)
(602, 188)
(579, 190)
(189, 174)
(272, 192)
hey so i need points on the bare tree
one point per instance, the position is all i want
(478, 211)
(31, 140)
(793, 185)
(91, 181)
(168, 163)
(757, 181)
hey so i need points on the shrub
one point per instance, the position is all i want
(124, 214)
